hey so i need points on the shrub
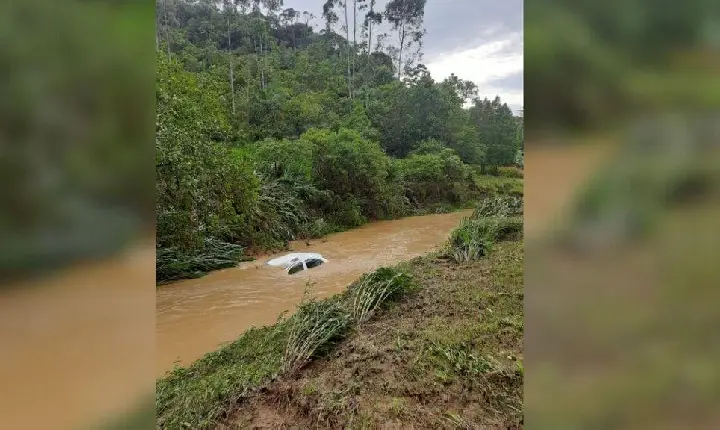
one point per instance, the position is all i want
(350, 166)
(432, 176)
(490, 185)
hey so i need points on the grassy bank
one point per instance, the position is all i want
(435, 342)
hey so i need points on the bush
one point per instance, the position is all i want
(348, 213)
(433, 175)
(351, 167)
(494, 185)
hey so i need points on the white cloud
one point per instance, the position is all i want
(483, 65)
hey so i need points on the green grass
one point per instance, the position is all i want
(198, 396)
(202, 394)
(316, 327)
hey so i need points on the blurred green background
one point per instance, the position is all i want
(621, 283)
(594, 64)
(76, 127)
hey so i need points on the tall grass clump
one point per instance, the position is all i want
(316, 326)
(510, 172)
(476, 235)
(374, 289)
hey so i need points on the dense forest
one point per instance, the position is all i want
(270, 130)
(589, 64)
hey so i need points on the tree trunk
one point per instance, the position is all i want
(230, 62)
(354, 50)
(370, 24)
(261, 62)
(167, 29)
(347, 38)
(354, 23)
(402, 46)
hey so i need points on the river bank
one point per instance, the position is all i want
(196, 316)
(413, 362)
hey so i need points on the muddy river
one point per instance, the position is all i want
(196, 316)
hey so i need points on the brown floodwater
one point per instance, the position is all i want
(194, 317)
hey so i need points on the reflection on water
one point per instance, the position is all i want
(195, 316)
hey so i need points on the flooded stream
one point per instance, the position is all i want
(194, 317)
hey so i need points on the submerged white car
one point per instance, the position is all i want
(298, 261)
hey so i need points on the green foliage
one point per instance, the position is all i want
(407, 115)
(433, 173)
(202, 186)
(372, 290)
(476, 236)
(355, 170)
(498, 128)
(266, 132)
(503, 205)
(493, 185)
(512, 172)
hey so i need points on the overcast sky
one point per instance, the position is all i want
(478, 40)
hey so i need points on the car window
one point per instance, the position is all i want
(313, 263)
(296, 268)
